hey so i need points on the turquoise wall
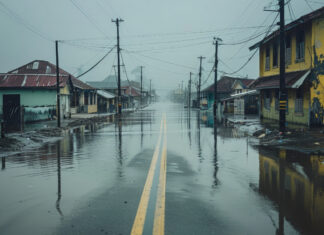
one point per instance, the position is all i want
(39, 104)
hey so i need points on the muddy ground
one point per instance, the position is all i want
(14, 143)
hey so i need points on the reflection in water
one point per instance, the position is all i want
(198, 136)
(3, 163)
(189, 127)
(142, 135)
(59, 194)
(295, 181)
(216, 182)
(120, 147)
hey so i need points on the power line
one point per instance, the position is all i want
(87, 16)
(95, 65)
(270, 27)
(309, 5)
(23, 22)
(164, 61)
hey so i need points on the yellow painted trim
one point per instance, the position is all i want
(159, 217)
(139, 221)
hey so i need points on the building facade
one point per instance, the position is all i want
(304, 77)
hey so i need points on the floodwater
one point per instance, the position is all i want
(92, 180)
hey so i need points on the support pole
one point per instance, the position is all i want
(58, 86)
(199, 83)
(141, 85)
(282, 88)
(117, 21)
(189, 89)
(215, 79)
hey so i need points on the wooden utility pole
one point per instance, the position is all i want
(117, 21)
(141, 85)
(189, 89)
(58, 86)
(282, 88)
(150, 91)
(216, 40)
(199, 82)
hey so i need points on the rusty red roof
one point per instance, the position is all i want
(273, 81)
(30, 81)
(40, 74)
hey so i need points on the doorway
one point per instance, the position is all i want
(11, 112)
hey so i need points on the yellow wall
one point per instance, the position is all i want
(294, 66)
(291, 116)
(65, 90)
(318, 42)
(92, 108)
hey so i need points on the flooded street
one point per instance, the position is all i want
(91, 182)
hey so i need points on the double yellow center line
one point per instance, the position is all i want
(158, 226)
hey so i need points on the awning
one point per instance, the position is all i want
(240, 95)
(106, 94)
(292, 80)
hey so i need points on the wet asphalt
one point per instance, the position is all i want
(91, 181)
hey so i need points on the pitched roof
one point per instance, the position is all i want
(302, 20)
(225, 84)
(292, 80)
(31, 81)
(40, 74)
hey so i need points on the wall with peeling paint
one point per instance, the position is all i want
(38, 104)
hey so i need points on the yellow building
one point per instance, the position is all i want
(304, 71)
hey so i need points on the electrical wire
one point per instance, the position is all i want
(310, 7)
(95, 65)
(77, 6)
(243, 66)
(23, 22)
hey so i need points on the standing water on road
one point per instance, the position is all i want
(92, 181)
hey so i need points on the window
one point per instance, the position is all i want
(300, 46)
(288, 50)
(267, 59)
(299, 101)
(267, 100)
(275, 54)
(35, 65)
(48, 70)
(29, 66)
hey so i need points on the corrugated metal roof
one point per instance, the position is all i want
(43, 75)
(292, 80)
(106, 94)
(30, 81)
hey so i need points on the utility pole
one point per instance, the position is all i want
(282, 88)
(58, 86)
(150, 91)
(216, 40)
(141, 85)
(199, 83)
(189, 89)
(117, 21)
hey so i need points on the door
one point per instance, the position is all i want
(11, 112)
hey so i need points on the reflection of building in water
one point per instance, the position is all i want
(303, 186)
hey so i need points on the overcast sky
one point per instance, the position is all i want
(165, 36)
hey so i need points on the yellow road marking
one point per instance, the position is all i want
(158, 227)
(139, 221)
